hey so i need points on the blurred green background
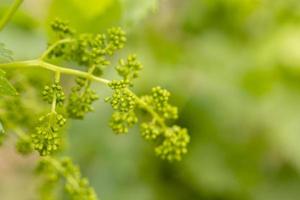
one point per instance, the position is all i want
(233, 67)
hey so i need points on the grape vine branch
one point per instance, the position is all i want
(39, 63)
(92, 54)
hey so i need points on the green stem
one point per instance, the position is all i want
(57, 80)
(149, 109)
(8, 15)
(57, 165)
(51, 47)
(42, 64)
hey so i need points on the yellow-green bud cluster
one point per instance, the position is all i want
(116, 38)
(55, 90)
(150, 131)
(61, 28)
(174, 144)
(122, 99)
(121, 121)
(81, 99)
(123, 102)
(87, 49)
(171, 142)
(159, 101)
(115, 85)
(129, 69)
(46, 139)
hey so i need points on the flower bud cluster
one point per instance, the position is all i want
(54, 91)
(87, 49)
(150, 131)
(61, 28)
(116, 39)
(121, 121)
(47, 139)
(129, 69)
(159, 100)
(123, 102)
(171, 142)
(174, 145)
(81, 99)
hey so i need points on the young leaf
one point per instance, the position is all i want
(5, 87)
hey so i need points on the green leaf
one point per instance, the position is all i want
(5, 87)
(5, 54)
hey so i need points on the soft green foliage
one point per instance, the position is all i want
(91, 54)
(5, 54)
(77, 187)
(5, 87)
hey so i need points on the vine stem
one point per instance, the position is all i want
(52, 46)
(57, 80)
(62, 70)
(149, 110)
(42, 64)
(8, 15)
(57, 165)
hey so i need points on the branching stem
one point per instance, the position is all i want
(38, 63)
(52, 46)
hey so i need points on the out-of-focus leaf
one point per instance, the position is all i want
(5, 87)
(5, 54)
